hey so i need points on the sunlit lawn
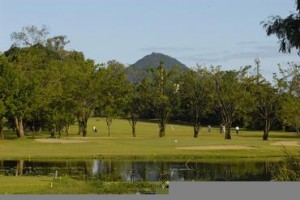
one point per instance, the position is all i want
(147, 144)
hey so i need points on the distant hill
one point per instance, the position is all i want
(152, 61)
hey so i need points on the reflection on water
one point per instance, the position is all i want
(108, 170)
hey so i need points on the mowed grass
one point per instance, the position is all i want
(147, 144)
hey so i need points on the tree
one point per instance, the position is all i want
(291, 112)
(137, 102)
(84, 86)
(288, 83)
(229, 94)
(4, 71)
(30, 82)
(30, 36)
(114, 92)
(195, 99)
(286, 29)
(266, 103)
(162, 90)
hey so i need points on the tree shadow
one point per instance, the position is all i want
(271, 136)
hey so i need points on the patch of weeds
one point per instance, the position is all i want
(287, 170)
(128, 188)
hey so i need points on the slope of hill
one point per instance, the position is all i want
(152, 61)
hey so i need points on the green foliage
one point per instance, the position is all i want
(266, 104)
(45, 87)
(288, 84)
(128, 188)
(288, 170)
(162, 91)
(194, 96)
(229, 94)
(286, 30)
(30, 36)
(114, 92)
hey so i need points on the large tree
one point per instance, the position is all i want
(229, 94)
(30, 82)
(195, 99)
(114, 92)
(84, 85)
(137, 101)
(4, 89)
(162, 89)
(288, 83)
(286, 29)
(266, 104)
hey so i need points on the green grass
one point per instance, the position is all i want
(147, 145)
(66, 185)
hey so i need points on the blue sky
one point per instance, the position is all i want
(207, 32)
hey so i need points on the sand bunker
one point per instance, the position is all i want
(287, 143)
(215, 148)
(62, 141)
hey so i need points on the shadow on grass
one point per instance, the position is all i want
(11, 135)
(271, 136)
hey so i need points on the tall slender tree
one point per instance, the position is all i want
(195, 99)
(114, 92)
(162, 90)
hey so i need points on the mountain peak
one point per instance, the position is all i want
(154, 59)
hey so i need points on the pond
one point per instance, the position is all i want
(117, 170)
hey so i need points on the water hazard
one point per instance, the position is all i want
(112, 170)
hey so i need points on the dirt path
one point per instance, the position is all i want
(287, 143)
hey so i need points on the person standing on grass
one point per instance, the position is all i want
(209, 128)
(237, 130)
(223, 129)
(94, 129)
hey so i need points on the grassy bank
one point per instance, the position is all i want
(147, 144)
(66, 185)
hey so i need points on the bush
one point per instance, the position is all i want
(288, 170)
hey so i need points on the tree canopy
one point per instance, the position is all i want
(287, 30)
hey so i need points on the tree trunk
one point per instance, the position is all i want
(162, 131)
(67, 129)
(133, 122)
(162, 126)
(266, 130)
(1, 129)
(1, 132)
(108, 123)
(227, 131)
(19, 168)
(162, 117)
(196, 130)
(266, 135)
(82, 126)
(19, 126)
(196, 124)
(133, 130)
